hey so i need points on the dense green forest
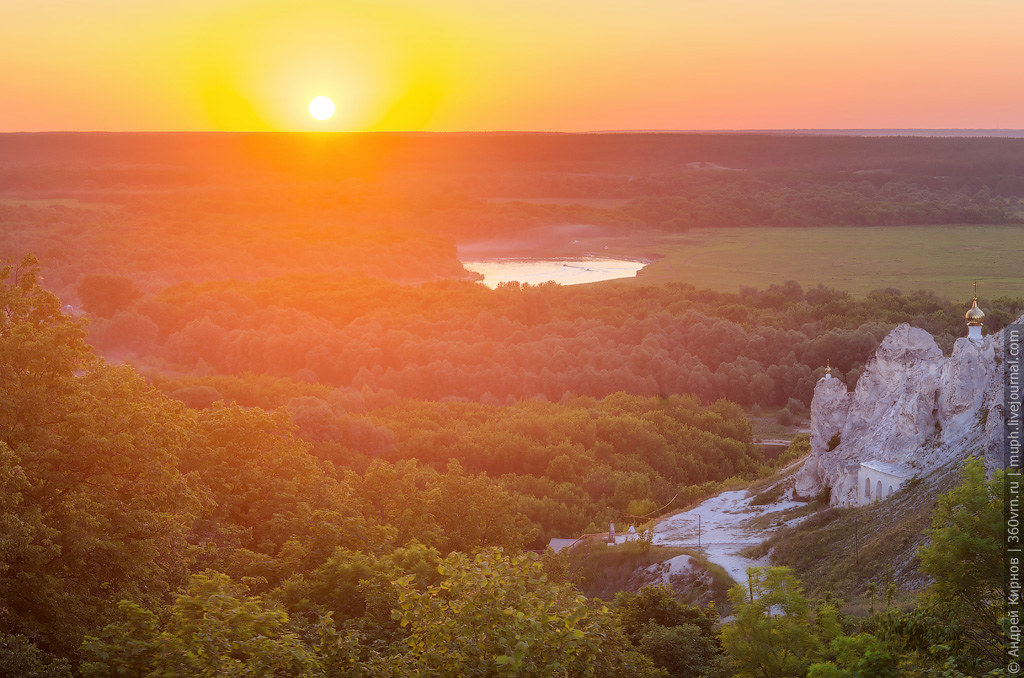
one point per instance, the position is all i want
(332, 258)
(144, 537)
(226, 516)
(256, 419)
(460, 339)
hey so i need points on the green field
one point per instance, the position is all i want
(943, 259)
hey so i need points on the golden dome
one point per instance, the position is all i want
(974, 315)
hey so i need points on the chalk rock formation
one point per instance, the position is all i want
(829, 410)
(912, 407)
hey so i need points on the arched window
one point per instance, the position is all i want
(867, 488)
(889, 493)
(878, 490)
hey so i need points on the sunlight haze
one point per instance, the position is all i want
(569, 66)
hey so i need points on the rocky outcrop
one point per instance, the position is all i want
(829, 410)
(911, 406)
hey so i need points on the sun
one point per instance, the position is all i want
(321, 107)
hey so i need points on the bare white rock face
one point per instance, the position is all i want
(912, 407)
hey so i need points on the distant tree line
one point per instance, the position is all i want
(164, 209)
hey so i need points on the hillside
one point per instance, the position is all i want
(915, 413)
(843, 549)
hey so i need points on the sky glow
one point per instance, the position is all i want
(567, 65)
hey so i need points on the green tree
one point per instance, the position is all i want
(105, 295)
(357, 591)
(473, 510)
(21, 658)
(680, 639)
(275, 509)
(214, 629)
(960, 615)
(399, 495)
(682, 651)
(964, 553)
(94, 504)
(891, 591)
(859, 656)
(493, 615)
(775, 632)
(872, 591)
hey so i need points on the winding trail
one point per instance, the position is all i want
(728, 524)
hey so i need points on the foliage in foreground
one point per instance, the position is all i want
(486, 615)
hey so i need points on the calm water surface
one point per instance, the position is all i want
(562, 271)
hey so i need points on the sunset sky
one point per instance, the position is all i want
(568, 65)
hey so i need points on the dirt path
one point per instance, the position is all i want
(728, 524)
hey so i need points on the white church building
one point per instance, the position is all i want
(878, 479)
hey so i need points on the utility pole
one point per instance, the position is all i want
(699, 553)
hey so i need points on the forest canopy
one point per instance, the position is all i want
(115, 492)
(255, 416)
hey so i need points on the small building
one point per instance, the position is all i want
(878, 479)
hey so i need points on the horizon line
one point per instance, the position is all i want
(995, 132)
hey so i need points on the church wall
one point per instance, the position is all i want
(873, 485)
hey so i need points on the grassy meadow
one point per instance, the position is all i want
(942, 259)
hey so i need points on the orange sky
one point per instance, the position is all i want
(568, 65)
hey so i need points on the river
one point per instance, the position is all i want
(562, 271)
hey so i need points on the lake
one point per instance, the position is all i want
(561, 271)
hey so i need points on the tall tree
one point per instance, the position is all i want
(494, 615)
(775, 633)
(94, 501)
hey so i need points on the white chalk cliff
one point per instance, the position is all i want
(912, 407)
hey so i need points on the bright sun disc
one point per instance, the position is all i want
(321, 108)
